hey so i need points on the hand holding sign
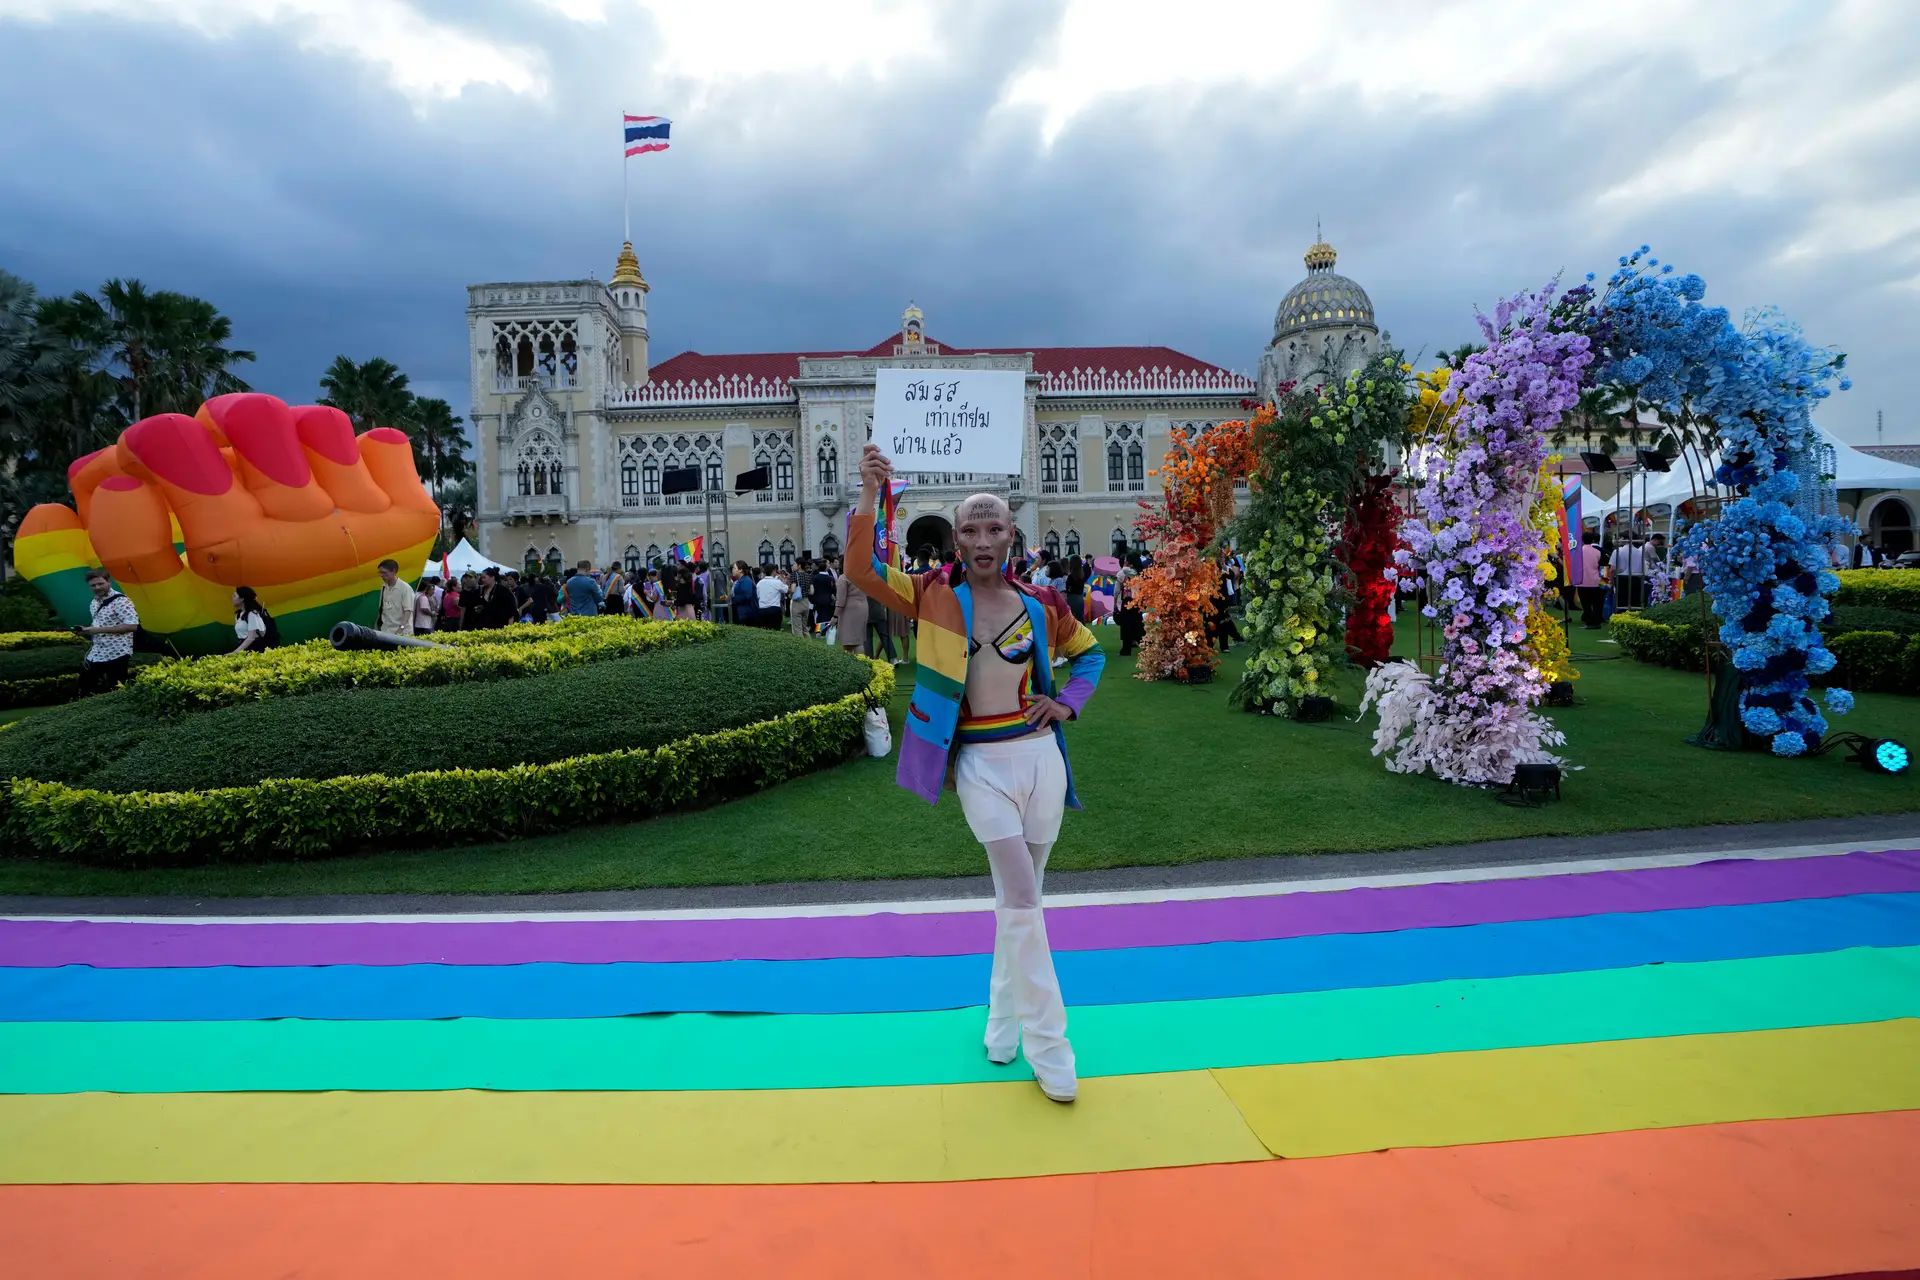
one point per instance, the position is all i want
(875, 471)
(951, 419)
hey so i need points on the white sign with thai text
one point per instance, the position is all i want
(951, 419)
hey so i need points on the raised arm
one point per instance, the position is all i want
(881, 581)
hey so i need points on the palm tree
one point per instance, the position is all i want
(373, 394)
(194, 364)
(439, 446)
(82, 413)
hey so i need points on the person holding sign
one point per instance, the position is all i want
(985, 710)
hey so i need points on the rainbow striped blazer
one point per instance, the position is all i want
(945, 611)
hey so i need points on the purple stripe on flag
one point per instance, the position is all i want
(41, 944)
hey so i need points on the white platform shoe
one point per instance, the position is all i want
(1037, 1007)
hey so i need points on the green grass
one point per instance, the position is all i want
(113, 743)
(1168, 775)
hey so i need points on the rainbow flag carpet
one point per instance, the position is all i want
(1706, 1069)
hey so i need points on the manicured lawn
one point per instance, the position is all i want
(1168, 775)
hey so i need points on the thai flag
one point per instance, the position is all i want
(646, 133)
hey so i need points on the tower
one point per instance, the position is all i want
(629, 293)
(1323, 329)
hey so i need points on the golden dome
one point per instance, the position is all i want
(627, 269)
(1320, 256)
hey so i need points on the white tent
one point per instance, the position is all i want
(462, 559)
(1853, 469)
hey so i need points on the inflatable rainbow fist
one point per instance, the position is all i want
(250, 491)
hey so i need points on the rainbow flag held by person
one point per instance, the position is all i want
(687, 552)
(886, 525)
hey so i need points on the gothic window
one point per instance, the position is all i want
(829, 546)
(766, 552)
(540, 478)
(1059, 458)
(653, 555)
(535, 352)
(783, 478)
(1019, 543)
(1052, 543)
(650, 481)
(554, 561)
(715, 477)
(787, 553)
(774, 450)
(540, 465)
(717, 553)
(1073, 542)
(629, 483)
(1049, 466)
(1070, 468)
(632, 559)
(1126, 457)
(531, 561)
(1119, 543)
(526, 479)
(553, 486)
(829, 468)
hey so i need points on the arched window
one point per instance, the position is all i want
(632, 559)
(1116, 466)
(783, 478)
(653, 554)
(714, 481)
(717, 553)
(540, 478)
(787, 552)
(650, 482)
(629, 483)
(1119, 543)
(1049, 466)
(1070, 466)
(1073, 542)
(1019, 543)
(532, 560)
(554, 485)
(554, 561)
(766, 552)
(829, 468)
(526, 479)
(1052, 542)
(829, 546)
(1136, 467)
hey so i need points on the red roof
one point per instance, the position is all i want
(692, 366)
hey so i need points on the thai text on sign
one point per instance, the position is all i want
(951, 419)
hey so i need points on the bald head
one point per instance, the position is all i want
(983, 534)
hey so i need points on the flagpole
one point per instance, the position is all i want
(626, 205)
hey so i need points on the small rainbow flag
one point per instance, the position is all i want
(692, 549)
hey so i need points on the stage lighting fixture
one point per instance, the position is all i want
(1884, 755)
(1560, 693)
(1598, 462)
(1532, 783)
(1653, 460)
(1314, 708)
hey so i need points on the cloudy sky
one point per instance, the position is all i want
(333, 173)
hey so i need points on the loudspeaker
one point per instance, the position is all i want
(758, 478)
(1598, 462)
(680, 480)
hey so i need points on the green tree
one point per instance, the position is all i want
(373, 393)
(439, 445)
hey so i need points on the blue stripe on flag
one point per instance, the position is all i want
(635, 132)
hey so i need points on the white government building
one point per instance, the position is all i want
(576, 428)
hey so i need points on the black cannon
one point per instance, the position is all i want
(351, 635)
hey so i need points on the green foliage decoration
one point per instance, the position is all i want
(1884, 588)
(306, 818)
(1312, 456)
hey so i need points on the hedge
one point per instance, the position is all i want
(307, 818)
(1877, 661)
(1887, 588)
(225, 680)
(44, 675)
(1656, 642)
(11, 640)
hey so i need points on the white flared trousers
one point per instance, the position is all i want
(1013, 794)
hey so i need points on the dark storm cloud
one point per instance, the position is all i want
(328, 213)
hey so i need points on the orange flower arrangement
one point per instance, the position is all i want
(1196, 482)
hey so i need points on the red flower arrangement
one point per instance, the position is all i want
(1372, 534)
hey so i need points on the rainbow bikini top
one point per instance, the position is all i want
(1014, 645)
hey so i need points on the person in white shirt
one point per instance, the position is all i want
(426, 608)
(1629, 575)
(396, 601)
(249, 621)
(114, 622)
(771, 594)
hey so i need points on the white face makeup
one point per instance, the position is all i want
(983, 533)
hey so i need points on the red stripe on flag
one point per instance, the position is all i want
(651, 146)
